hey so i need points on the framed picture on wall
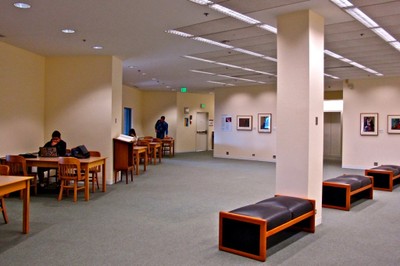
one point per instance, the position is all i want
(393, 124)
(264, 123)
(369, 124)
(244, 122)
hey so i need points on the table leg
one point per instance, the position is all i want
(86, 170)
(137, 155)
(103, 169)
(25, 209)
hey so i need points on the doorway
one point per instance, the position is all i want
(333, 136)
(201, 131)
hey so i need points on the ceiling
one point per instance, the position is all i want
(134, 31)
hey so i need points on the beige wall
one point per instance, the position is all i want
(243, 144)
(186, 136)
(79, 102)
(133, 98)
(156, 104)
(149, 106)
(22, 78)
(380, 95)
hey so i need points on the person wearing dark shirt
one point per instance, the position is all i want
(61, 147)
(161, 128)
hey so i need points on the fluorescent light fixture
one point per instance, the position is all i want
(370, 70)
(202, 72)
(22, 5)
(384, 34)
(234, 14)
(357, 65)
(332, 54)
(202, 2)
(270, 58)
(97, 47)
(262, 72)
(227, 65)
(360, 16)
(180, 33)
(199, 59)
(249, 80)
(395, 45)
(268, 28)
(330, 76)
(68, 31)
(244, 51)
(201, 39)
(221, 83)
(342, 3)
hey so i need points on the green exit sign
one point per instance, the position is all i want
(203, 105)
(183, 89)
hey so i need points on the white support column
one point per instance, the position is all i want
(299, 167)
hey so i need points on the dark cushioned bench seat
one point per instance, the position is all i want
(337, 192)
(384, 176)
(244, 231)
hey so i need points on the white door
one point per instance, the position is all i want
(201, 131)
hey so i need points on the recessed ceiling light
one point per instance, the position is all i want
(97, 47)
(22, 5)
(68, 31)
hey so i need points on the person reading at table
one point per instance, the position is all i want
(61, 147)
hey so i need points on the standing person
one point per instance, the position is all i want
(61, 147)
(161, 128)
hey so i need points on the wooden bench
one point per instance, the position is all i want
(338, 192)
(384, 176)
(245, 231)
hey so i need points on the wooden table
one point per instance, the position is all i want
(86, 164)
(171, 143)
(137, 151)
(10, 184)
(154, 146)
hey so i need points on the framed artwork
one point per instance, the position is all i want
(264, 123)
(393, 124)
(369, 124)
(244, 122)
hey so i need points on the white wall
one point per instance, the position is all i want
(380, 95)
(235, 101)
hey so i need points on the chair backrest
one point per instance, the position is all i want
(69, 168)
(95, 154)
(144, 142)
(157, 140)
(17, 165)
(4, 169)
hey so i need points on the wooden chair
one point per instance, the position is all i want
(168, 146)
(93, 172)
(70, 175)
(17, 166)
(4, 170)
(146, 143)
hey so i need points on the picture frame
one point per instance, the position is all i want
(264, 122)
(244, 122)
(369, 124)
(393, 124)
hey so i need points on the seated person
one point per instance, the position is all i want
(132, 133)
(61, 147)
